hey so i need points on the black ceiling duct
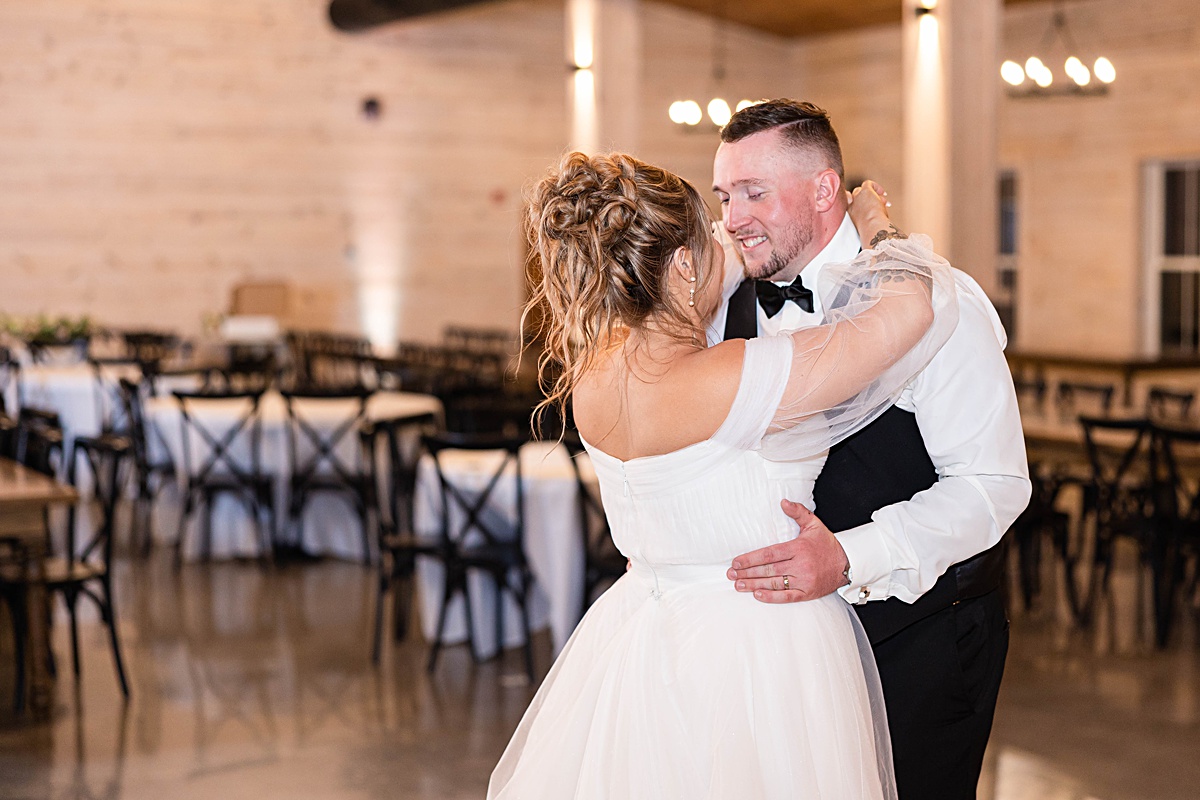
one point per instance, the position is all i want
(360, 15)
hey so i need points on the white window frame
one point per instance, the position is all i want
(1154, 260)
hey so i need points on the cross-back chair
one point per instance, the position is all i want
(1175, 543)
(399, 545)
(10, 381)
(1173, 406)
(329, 452)
(1117, 503)
(1072, 398)
(482, 528)
(222, 455)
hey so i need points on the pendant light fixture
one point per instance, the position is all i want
(1034, 78)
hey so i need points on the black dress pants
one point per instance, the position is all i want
(940, 679)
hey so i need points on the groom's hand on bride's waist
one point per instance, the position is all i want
(810, 566)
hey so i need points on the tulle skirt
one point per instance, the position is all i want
(676, 686)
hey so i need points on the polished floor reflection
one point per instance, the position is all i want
(258, 683)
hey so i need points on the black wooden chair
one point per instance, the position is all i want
(38, 445)
(87, 572)
(399, 545)
(39, 442)
(224, 458)
(602, 562)
(1031, 394)
(482, 532)
(78, 571)
(10, 381)
(8, 436)
(319, 455)
(1172, 406)
(1174, 548)
(1117, 503)
(150, 474)
(1075, 398)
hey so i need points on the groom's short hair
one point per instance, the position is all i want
(803, 125)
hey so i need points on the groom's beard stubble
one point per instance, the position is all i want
(793, 242)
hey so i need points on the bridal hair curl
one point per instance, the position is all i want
(602, 232)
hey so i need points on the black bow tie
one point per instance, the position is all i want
(772, 296)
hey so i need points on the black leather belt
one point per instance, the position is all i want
(979, 575)
(966, 580)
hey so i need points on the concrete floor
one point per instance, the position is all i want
(252, 683)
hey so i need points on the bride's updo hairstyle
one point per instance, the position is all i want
(603, 231)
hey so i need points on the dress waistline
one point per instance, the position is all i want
(664, 577)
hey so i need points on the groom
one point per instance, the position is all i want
(920, 498)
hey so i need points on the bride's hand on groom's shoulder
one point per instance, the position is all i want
(869, 212)
(806, 568)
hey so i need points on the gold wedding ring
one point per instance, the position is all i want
(787, 580)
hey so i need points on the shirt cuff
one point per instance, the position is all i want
(870, 564)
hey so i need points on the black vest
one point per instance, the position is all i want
(884, 463)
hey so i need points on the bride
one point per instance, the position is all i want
(674, 685)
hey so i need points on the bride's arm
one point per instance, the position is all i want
(886, 309)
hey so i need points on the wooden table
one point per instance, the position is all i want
(24, 497)
(1035, 365)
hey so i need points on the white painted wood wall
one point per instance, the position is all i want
(154, 154)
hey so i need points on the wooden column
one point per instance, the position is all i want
(951, 90)
(603, 41)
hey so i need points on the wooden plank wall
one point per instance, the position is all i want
(155, 154)
(1078, 160)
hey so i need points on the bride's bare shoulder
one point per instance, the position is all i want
(630, 416)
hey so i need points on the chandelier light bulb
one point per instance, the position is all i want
(1073, 66)
(745, 104)
(718, 111)
(1010, 71)
(678, 112)
(692, 112)
(1105, 72)
(1044, 78)
(1034, 67)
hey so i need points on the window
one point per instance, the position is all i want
(1006, 264)
(1173, 250)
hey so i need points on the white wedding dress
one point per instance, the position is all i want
(676, 686)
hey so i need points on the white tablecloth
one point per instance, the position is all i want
(73, 392)
(553, 545)
(331, 527)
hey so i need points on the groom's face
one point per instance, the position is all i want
(768, 192)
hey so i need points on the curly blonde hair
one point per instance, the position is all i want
(603, 230)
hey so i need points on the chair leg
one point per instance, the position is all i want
(20, 622)
(466, 591)
(523, 602)
(402, 597)
(109, 612)
(364, 516)
(206, 542)
(380, 591)
(448, 592)
(189, 505)
(71, 598)
(501, 580)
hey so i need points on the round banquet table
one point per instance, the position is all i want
(553, 544)
(72, 391)
(330, 525)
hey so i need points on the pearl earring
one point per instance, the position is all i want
(692, 293)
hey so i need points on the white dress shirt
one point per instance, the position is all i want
(966, 410)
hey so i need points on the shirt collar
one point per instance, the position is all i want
(843, 247)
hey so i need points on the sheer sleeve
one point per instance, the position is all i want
(887, 313)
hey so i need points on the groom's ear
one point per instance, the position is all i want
(829, 189)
